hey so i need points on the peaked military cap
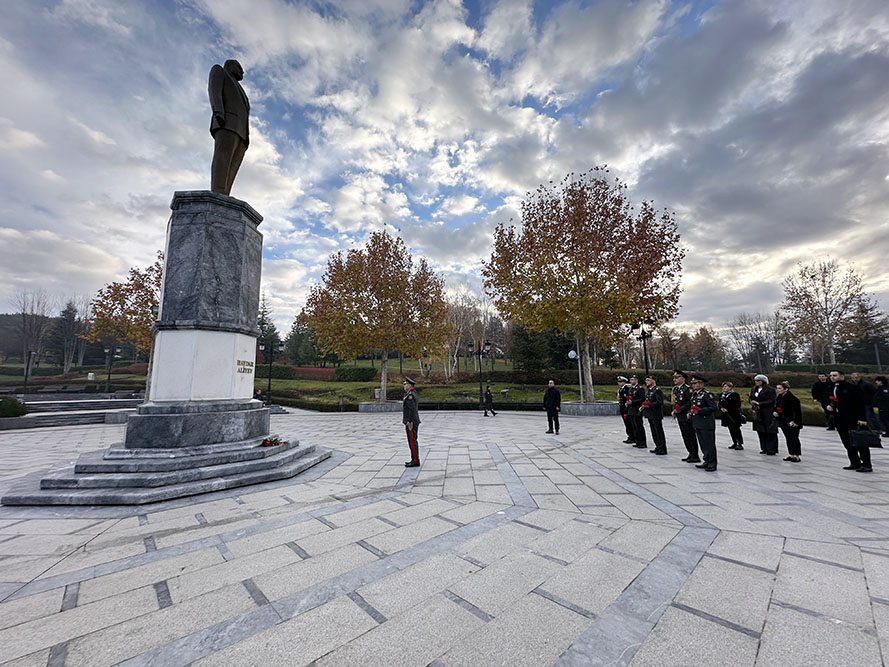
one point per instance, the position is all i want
(679, 374)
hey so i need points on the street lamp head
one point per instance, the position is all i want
(487, 346)
(470, 347)
(280, 347)
(572, 354)
(262, 347)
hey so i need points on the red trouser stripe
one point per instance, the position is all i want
(415, 455)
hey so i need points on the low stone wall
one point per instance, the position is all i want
(375, 406)
(597, 409)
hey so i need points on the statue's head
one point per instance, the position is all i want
(234, 68)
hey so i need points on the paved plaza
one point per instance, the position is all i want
(506, 547)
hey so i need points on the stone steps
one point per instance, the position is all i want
(140, 496)
(80, 406)
(68, 478)
(119, 460)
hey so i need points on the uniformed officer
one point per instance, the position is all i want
(681, 406)
(411, 420)
(623, 393)
(703, 409)
(634, 416)
(653, 411)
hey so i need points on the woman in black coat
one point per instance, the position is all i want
(730, 414)
(762, 404)
(789, 414)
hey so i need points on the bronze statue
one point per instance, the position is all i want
(230, 124)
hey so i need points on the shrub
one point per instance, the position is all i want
(279, 371)
(11, 407)
(313, 373)
(355, 374)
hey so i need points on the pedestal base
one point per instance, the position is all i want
(192, 424)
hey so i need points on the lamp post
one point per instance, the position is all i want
(270, 350)
(572, 354)
(482, 347)
(644, 336)
(110, 354)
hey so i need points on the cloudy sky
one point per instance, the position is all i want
(763, 123)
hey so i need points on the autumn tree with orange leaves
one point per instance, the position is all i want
(585, 260)
(123, 312)
(375, 299)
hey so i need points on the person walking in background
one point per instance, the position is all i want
(821, 392)
(653, 411)
(489, 402)
(623, 393)
(762, 402)
(847, 405)
(703, 409)
(552, 403)
(881, 403)
(410, 417)
(789, 414)
(869, 390)
(730, 414)
(634, 414)
(681, 395)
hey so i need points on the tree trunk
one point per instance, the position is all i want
(589, 395)
(383, 378)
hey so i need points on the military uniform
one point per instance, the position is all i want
(703, 409)
(623, 398)
(654, 413)
(681, 404)
(634, 416)
(410, 417)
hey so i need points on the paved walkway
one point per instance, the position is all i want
(506, 547)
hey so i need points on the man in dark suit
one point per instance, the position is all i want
(703, 409)
(230, 124)
(680, 412)
(410, 417)
(653, 411)
(847, 405)
(552, 403)
(821, 391)
(634, 412)
(869, 389)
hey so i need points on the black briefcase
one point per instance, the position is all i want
(864, 437)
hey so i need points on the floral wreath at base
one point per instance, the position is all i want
(272, 441)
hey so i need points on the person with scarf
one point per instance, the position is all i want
(789, 414)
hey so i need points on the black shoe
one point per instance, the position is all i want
(771, 453)
(411, 464)
(692, 460)
(641, 446)
(885, 435)
(732, 446)
(787, 458)
(852, 467)
(703, 466)
(865, 469)
(493, 414)
(686, 458)
(739, 447)
(663, 453)
(547, 431)
(557, 433)
(653, 451)
(710, 469)
(629, 442)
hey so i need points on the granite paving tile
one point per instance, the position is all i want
(833, 591)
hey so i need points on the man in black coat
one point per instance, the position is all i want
(634, 414)
(552, 403)
(821, 392)
(680, 412)
(623, 397)
(847, 405)
(703, 410)
(489, 402)
(410, 417)
(653, 411)
(869, 389)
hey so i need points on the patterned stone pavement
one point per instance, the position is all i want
(506, 547)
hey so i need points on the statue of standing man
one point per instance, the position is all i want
(230, 124)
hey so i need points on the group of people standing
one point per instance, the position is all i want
(772, 409)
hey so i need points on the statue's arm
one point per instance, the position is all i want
(214, 88)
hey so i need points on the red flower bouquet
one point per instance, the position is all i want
(272, 441)
(779, 410)
(645, 404)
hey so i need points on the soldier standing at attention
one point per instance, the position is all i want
(681, 407)
(634, 416)
(703, 407)
(653, 411)
(552, 403)
(411, 420)
(623, 392)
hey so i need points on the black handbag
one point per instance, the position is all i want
(864, 437)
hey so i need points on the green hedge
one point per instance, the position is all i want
(10, 407)
(279, 371)
(354, 374)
